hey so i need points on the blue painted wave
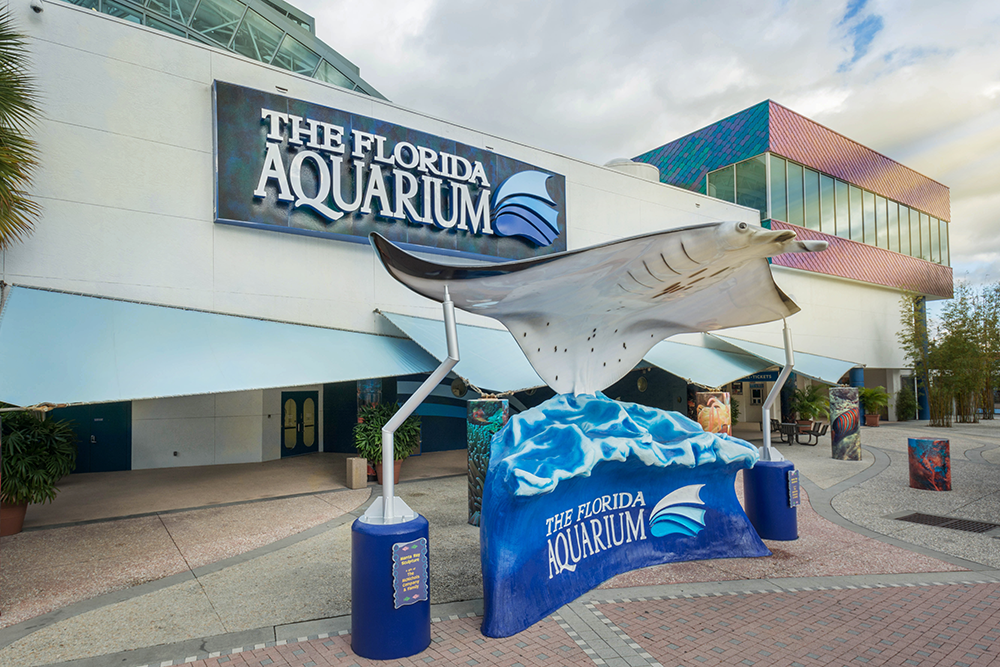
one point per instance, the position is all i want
(522, 207)
(567, 436)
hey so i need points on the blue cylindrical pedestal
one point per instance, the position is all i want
(765, 492)
(385, 625)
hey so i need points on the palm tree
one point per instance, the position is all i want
(18, 115)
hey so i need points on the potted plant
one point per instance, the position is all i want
(368, 436)
(37, 453)
(872, 400)
(809, 404)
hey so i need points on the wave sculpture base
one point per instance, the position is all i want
(582, 488)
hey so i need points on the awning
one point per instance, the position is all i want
(65, 348)
(488, 358)
(817, 367)
(491, 358)
(703, 365)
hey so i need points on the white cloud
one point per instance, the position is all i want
(596, 80)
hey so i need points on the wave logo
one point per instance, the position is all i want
(680, 512)
(522, 207)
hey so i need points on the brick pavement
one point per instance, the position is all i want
(920, 625)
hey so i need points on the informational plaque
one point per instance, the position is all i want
(794, 495)
(409, 572)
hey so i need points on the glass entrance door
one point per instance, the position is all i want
(298, 423)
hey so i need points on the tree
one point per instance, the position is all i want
(18, 115)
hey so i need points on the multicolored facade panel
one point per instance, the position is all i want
(768, 126)
(802, 140)
(865, 263)
(685, 162)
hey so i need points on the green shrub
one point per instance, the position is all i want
(368, 433)
(906, 404)
(37, 453)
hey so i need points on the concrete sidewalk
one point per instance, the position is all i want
(853, 575)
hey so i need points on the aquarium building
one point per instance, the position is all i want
(199, 288)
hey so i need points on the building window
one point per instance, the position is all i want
(893, 223)
(751, 184)
(779, 209)
(722, 184)
(232, 25)
(805, 197)
(810, 193)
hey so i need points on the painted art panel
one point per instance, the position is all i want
(930, 464)
(582, 488)
(845, 423)
(486, 417)
(714, 412)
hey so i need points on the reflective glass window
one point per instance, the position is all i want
(178, 10)
(779, 208)
(217, 19)
(826, 206)
(751, 182)
(121, 11)
(881, 225)
(925, 236)
(935, 240)
(843, 210)
(165, 27)
(857, 216)
(257, 37)
(795, 208)
(869, 200)
(945, 256)
(904, 230)
(293, 56)
(893, 221)
(86, 4)
(721, 184)
(330, 74)
(810, 192)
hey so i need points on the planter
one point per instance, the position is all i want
(871, 420)
(805, 425)
(11, 518)
(396, 465)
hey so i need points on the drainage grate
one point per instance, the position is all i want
(949, 522)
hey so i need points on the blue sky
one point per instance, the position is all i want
(916, 81)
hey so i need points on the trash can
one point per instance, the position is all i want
(930, 464)
(770, 492)
(390, 597)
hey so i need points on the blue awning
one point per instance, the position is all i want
(817, 367)
(65, 348)
(704, 365)
(488, 358)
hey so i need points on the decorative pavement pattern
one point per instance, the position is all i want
(916, 624)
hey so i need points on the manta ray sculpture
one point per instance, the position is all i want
(584, 318)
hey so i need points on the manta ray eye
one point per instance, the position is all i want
(742, 226)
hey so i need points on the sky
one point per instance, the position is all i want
(916, 81)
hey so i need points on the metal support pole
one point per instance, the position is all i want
(422, 392)
(776, 389)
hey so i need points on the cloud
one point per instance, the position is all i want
(595, 80)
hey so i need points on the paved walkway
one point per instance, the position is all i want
(858, 586)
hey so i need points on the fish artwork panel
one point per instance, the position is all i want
(584, 318)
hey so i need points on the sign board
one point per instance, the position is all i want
(763, 376)
(794, 490)
(409, 572)
(293, 166)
